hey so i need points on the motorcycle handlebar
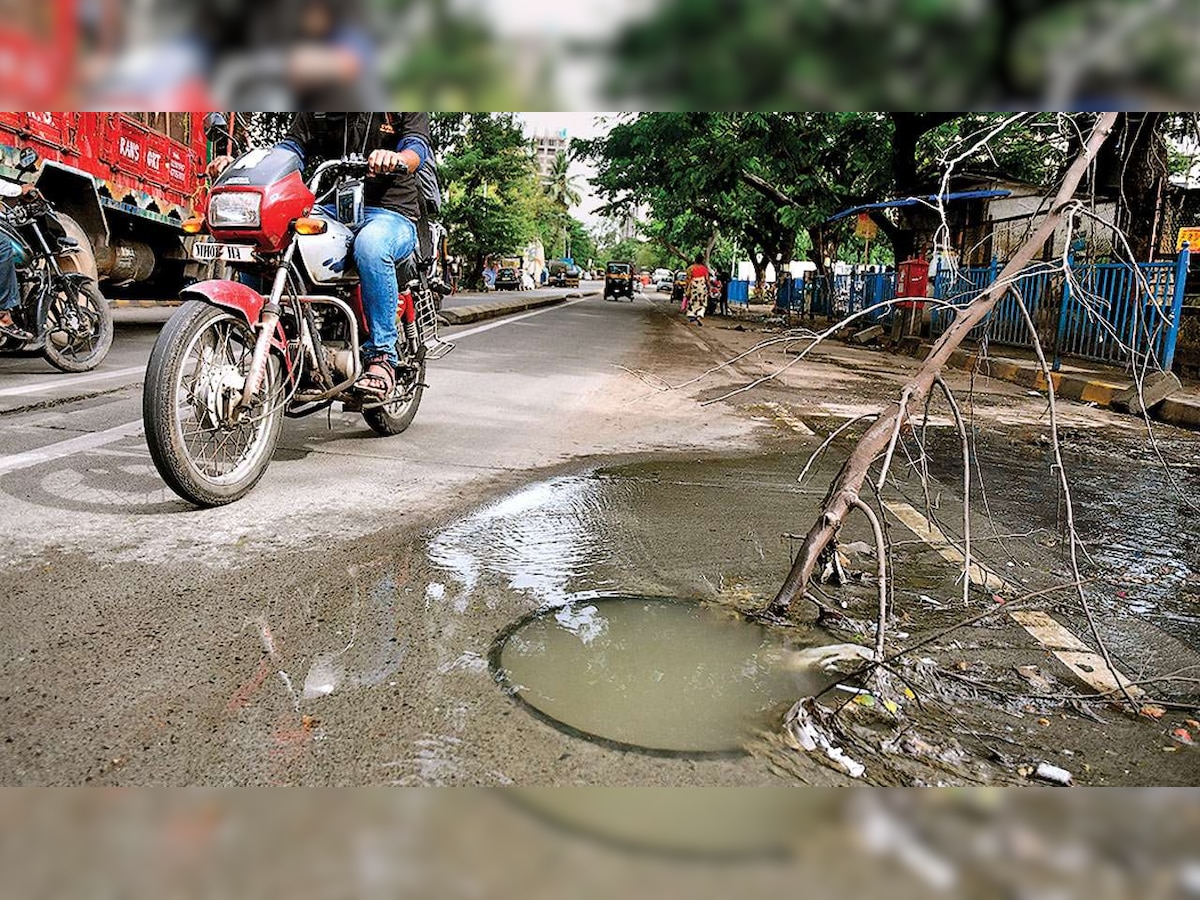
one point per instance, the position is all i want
(346, 162)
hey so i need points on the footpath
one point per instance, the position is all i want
(506, 304)
(1165, 399)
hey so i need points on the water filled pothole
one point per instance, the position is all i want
(650, 674)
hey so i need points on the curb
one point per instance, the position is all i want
(1184, 413)
(464, 315)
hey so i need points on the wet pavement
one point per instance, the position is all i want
(144, 643)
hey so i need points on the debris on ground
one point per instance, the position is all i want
(807, 725)
(1052, 774)
(867, 335)
(1035, 678)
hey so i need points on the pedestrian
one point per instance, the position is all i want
(454, 269)
(697, 290)
(723, 302)
(489, 277)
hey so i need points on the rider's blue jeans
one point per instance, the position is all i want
(10, 294)
(385, 239)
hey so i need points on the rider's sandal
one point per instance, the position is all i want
(11, 329)
(379, 380)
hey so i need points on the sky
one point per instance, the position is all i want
(578, 125)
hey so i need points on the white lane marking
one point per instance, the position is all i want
(510, 319)
(69, 447)
(1085, 663)
(101, 438)
(49, 385)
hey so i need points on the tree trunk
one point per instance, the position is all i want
(843, 494)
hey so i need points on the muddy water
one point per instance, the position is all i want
(651, 674)
(1142, 536)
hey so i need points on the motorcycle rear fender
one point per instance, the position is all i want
(238, 298)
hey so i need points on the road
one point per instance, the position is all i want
(336, 625)
(122, 601)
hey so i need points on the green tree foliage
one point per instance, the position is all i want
(486, 176)
(936, 54)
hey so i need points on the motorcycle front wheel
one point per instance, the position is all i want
(206, 451)
(79, 327)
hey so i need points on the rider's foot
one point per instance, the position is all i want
(379, 380)
(11, 329)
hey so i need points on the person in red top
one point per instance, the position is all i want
(697, 290)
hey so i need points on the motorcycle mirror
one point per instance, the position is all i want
(28, 160)
(215, 126)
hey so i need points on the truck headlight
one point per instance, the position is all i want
(235, 209)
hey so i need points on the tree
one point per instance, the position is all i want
(486, 175)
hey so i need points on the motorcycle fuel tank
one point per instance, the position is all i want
(327, 257)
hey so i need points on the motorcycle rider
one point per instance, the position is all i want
(10, 291)
(395, 145)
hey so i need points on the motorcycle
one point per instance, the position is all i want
(64, 310)
(232, 362)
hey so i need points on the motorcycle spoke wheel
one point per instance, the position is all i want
(208, 448)
(79, 328)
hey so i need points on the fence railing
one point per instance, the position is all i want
(1108, 312)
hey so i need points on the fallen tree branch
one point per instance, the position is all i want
(846, 486)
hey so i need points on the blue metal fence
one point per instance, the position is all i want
(843, 295)
(1108, 312)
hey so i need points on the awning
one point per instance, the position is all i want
(913, 201)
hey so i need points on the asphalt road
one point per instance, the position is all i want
(309, 634)
(115, 590)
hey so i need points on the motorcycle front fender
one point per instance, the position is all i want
(237, 298)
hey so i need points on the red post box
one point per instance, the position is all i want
(912, 280)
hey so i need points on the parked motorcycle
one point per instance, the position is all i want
(64, 310)
(233, 362)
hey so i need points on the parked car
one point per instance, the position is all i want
(508, 279)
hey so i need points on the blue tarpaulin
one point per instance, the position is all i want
(913, 201)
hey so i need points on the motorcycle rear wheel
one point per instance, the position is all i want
(393, 418)
(198, 361)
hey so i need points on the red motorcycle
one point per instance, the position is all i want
(233, 362)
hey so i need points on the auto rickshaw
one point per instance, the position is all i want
(618, 281)
(679, 288)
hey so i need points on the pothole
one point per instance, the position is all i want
(653, 675)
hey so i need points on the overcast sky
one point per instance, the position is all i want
(578, 125)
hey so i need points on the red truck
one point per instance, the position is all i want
(123, 184)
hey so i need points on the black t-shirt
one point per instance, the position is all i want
(333, 135)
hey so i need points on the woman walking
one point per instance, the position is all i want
(697, 290)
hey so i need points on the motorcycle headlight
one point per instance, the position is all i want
(235, 209)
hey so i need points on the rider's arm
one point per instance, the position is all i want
(300, 136)
(413, 145)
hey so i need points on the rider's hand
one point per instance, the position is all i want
(30, 192)
(384, 162)
(217, 166)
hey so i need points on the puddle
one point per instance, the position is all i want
(540, 539)
(652, 675)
